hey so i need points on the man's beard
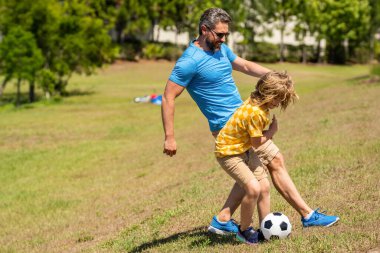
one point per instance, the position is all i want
(212, 45)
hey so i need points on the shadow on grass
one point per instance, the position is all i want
(203, 238)
(77, 93)
(365, 79)
(10, 98)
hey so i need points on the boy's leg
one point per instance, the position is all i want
(252, 193)
(260, 173)
(237, 168)
(263, 203)
(237, 193)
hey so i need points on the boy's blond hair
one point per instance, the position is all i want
(274, 85)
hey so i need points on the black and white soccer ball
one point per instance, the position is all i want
(276, 226)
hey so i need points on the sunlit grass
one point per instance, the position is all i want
(86, 172)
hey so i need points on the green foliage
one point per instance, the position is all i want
(263, 52)
(293, 53)
(153, 51)
(161, 51)
(72, 36)
(361, 55)
(377, 50)
(20, 57)
(340, 21)
(375, 70)
(131, 50)
(47, 80)
(281, 13)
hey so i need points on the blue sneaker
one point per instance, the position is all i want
(319, 219)
(248, 236)
(223, 228)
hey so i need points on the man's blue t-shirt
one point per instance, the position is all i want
(207, 77)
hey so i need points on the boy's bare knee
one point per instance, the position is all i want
(253, 189)
(264, 187)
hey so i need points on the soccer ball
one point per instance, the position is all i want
(276, 226)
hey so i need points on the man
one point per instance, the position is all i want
(205, 70)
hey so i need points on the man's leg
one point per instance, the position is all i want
(232, 203)
(288, 190)
(285, 185)
(234, 198)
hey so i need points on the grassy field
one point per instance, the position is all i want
(86, 173)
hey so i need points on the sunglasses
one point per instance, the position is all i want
(219, 35)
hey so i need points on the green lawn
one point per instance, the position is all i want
(86, 173)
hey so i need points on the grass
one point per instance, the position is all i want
(86, 173)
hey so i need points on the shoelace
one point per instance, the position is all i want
(320, 213)
(252, 234)
(234, 221)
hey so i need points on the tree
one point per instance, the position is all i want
(20, 57)
(341, 21)
(282, 12)
(374, 25)
(72, 35)
(82, 44)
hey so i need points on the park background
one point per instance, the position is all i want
(82, 168)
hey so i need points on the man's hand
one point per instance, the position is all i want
(172, 90)
(170, 147)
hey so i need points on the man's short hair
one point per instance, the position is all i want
(213, 16)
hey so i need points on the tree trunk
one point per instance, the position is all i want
(317, 55)
(31, 91)
(282, 44)
(176, 36)
(371, 48)
(18, 92)
(304, 55)
(2, 87)
(158, 34)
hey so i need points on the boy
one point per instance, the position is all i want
(244, 130)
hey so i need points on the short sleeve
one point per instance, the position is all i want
(183, 72)
(230, 55)
(255, 126)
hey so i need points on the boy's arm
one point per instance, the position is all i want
(172, 90)
(267, 135)
(249, 67)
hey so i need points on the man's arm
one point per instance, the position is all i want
(249, 67)
(172, 90)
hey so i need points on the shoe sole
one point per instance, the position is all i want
(218, 231)
(329, 225)
(242, 239)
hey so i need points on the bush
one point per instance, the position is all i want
(131, 50)
(336, 54)
(263, 52)
(167, 51)
(377, 51)
(375, 70)
(293, 53)
(360, 55)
